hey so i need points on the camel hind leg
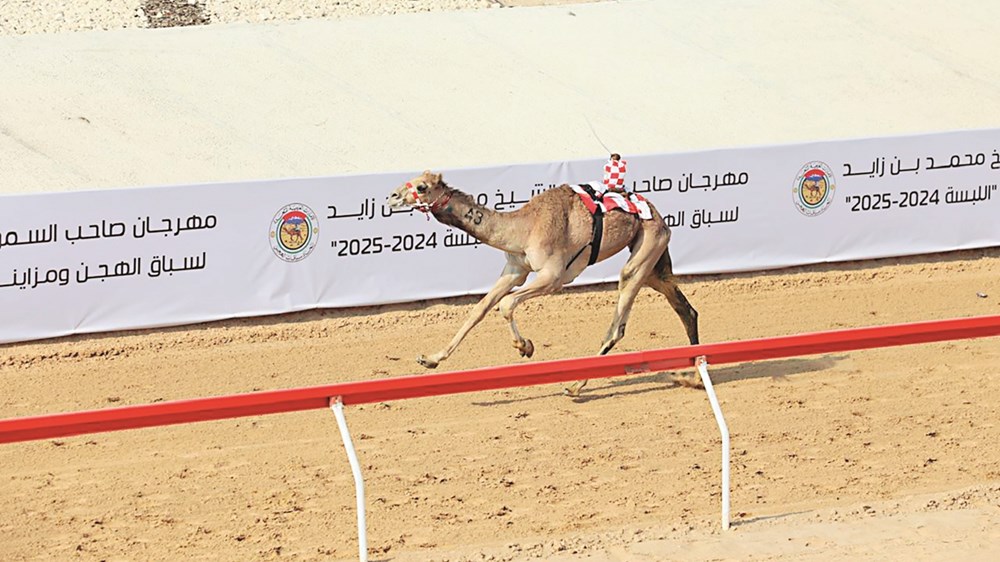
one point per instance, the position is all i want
(629, 284)
(663, 281)
(633, 276)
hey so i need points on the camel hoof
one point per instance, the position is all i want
(528, 349)
(423, 360)
(574, 389)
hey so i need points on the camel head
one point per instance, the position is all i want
(425, 192)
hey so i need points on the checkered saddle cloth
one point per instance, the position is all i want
(596, 196)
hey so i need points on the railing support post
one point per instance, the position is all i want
(701, 363)
(337, 405)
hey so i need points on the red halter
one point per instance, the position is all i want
(425, 207)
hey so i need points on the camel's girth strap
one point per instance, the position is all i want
(595, 242)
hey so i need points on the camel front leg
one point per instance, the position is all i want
(512, 276)
(543, 284)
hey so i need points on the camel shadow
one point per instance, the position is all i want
(777, 369)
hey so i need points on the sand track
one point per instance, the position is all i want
(628, 472)
(874, 455)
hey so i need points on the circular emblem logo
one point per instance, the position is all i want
(814, 188)
(294, 232)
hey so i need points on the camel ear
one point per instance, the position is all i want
(436, 178)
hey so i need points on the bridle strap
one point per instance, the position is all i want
(425, 207)
(441, 201)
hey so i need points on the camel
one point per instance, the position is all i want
(294, 232)
(548, 236)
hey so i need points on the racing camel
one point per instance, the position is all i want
(548, 236)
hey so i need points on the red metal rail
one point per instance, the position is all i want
(290, 400)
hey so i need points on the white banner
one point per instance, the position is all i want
(131, 258)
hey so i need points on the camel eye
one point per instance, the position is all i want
(421, 188)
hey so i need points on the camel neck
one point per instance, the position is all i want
(484, 224)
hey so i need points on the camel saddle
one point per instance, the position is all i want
(600, 200)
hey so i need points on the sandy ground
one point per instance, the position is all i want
(874, 455)
(877, 455)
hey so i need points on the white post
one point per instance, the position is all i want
(337, 405)
(702, 365)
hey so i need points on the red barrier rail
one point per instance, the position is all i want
(527, 374)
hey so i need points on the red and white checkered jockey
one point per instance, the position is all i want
(614, 174)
